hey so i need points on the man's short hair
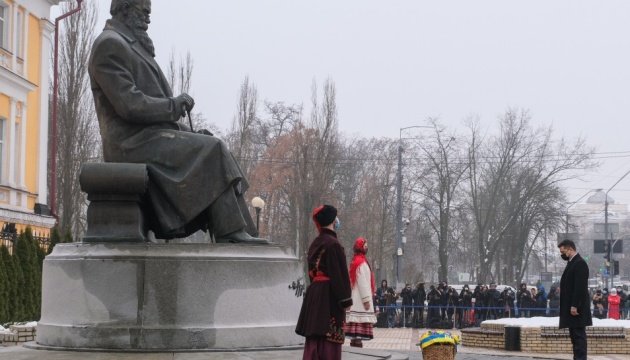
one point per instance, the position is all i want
(567, 243)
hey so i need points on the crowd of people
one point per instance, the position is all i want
(611, 305)
(442, 306)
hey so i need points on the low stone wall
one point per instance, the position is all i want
(548, 339)
(18, 334)
(487, 336)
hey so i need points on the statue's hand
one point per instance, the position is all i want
(205, 132)
(185, 103)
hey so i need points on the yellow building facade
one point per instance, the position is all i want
(26, 39)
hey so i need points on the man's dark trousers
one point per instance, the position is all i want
(578, 339)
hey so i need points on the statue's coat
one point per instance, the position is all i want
(138, 124)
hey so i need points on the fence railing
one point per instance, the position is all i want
(9, 240)
(458, 316)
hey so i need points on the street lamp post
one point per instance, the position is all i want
(398, 220)
(258, 204)
(53, 125)
(608, 239)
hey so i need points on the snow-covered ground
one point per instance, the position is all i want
(553, 321)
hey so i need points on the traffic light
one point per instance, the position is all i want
(607, 257)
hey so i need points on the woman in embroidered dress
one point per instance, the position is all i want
(360, 318)
(323, 312)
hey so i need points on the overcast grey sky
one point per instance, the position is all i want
(395, 63)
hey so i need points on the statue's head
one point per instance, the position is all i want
(124, 7)
(133, 13)
(136, 14)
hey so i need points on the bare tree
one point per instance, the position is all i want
(78, 140)
(507, 172)
(437, 185)
(179, 76)
(243, 126)
(315, 154)
(271, 175)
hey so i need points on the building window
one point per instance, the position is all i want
(4, 25)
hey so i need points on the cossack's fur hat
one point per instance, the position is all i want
(324, 215)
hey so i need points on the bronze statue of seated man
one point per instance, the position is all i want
(194, 181)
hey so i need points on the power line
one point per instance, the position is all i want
(455, 160)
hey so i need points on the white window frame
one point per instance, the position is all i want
(4, 23)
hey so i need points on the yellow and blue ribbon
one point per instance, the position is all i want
(438, 337)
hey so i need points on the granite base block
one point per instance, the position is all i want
(154, 297)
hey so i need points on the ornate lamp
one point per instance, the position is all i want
(258, 204)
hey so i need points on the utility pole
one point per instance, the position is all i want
(399, 228)
(545, 250)
(399, 213)
(607, 239)
(53, 136)
(609, 278)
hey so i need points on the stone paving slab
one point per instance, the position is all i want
(392, 344)
(21, 353)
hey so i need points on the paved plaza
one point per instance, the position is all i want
(404, 340)
(392, 344)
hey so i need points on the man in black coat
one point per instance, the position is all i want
(419, 296)
(575, 311)
(492, 302)
(407, 304)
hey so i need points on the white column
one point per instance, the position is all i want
(11, 142)
(46, 29)
(21, 183)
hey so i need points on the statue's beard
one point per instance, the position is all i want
(138, 27)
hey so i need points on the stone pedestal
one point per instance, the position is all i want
(155, 297)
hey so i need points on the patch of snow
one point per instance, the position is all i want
(539, 321)
(31, 324)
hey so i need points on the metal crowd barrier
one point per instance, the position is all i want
(474, 313)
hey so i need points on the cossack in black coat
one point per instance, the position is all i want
(323, 309)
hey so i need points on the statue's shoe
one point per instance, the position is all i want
(241, 237)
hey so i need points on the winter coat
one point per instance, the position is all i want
(507, 299)
(599, 307)
(406, 295)
(419, 296)
(524, 299)
(323, 311)
(613, 306)
(574, 293)
(465, 298)
(362, 292)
